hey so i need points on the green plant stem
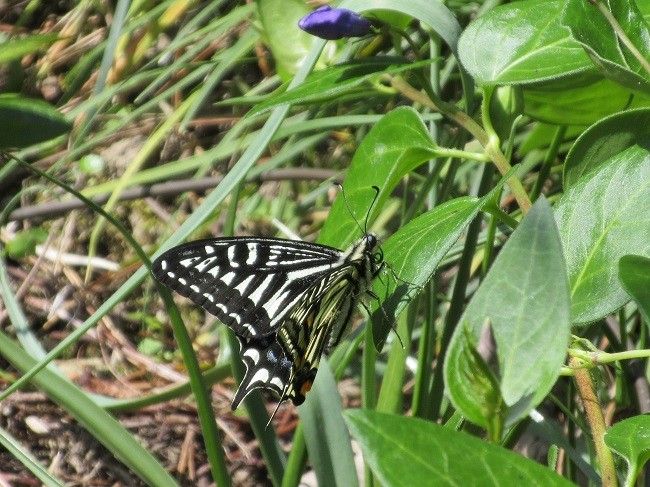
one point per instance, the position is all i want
(622, 35)
(488, 248)
(490, 145)
(501, 215)
(594, 412)
(600, 358)
(550, 156)
(426, 347)
(461, 154)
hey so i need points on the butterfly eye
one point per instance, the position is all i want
(371, 240)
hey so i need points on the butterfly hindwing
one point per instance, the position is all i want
(267, 367)
(248, 283)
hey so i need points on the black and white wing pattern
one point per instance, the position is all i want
(248, 283)
(286, 301)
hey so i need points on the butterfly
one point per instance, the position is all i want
(287, 301)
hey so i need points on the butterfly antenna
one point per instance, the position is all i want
(347, 205)
(374, 200)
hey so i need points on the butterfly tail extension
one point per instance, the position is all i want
(267, 367)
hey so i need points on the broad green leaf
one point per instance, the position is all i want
(562, 103)
(14, 49)
(604, 140)
(634, 274)
(405, 451)
(591, 29)
(519, 43)
(19, 116)
(328, 441)
(630, 438)
(337, 80)
(525, 299)
(395, 145)
(288, 44)
(601, 218)
(413, 253)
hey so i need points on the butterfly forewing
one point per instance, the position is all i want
(248, 283)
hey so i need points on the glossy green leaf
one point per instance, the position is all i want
(601, 218)
(630, 438)
(337, 80)
(578, 104)
(328, 440)
(404, 451)
(20, 116)
(288, 44)
(413, 253)
(591, 29)
(395, 145)
(519, 43)
(634, 274)
(525, 298)
(15, 49)
(604, 140)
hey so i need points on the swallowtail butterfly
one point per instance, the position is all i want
(287, 301)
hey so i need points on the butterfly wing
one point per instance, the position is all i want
(287, 363)
(248, 283)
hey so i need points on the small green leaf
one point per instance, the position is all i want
(27, 121)
(328, 441)
(25, 242)
(591, 29)
(602, 217)
(525, 297)
(337, 80)
(405, 451)
(634, 273)
(630, 438)
(604, 140)
(521, 42)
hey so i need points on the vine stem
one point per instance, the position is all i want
(490, 145)
(595, 419)
(600, 358)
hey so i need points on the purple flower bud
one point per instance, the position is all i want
(334, 23)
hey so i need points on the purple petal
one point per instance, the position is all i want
(334, 23)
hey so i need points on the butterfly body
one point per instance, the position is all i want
(287, 301)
